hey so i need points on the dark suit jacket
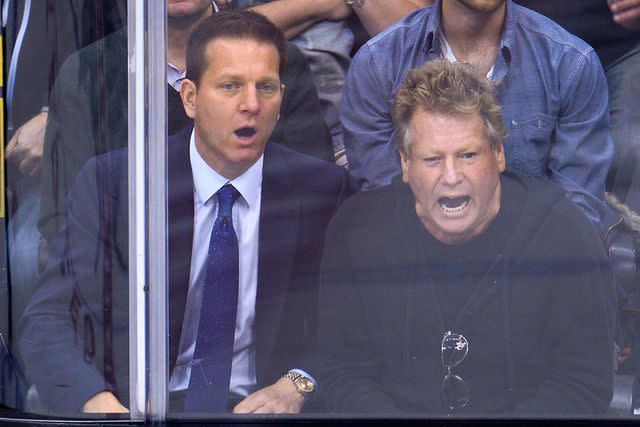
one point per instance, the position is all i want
(88, 117)
(75, 331)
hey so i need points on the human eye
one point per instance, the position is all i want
(268, 87)
(230, 86)
(431, 160)
(469, 155)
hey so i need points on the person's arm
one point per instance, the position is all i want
(349, 367)
(581, 321)
(61, 332)
(26, 145)
(282, 397)
(582, 149)
(377, 15)
(367, 124)
(104, 403)
(626, 13)
(295, 16)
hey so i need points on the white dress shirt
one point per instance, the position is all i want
(447, 53)
(245, 215)
(175, 76)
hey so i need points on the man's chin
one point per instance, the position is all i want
(451, 234)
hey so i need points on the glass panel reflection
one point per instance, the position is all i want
(67, 99)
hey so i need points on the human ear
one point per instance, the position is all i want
(189, 94)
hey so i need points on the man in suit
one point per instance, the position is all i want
(227, 187)
(88, 108)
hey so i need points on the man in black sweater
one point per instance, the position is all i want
(464, 288)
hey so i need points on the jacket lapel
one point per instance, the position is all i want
(279, 227)
(180, 200)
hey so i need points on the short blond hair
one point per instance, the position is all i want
(447, 88)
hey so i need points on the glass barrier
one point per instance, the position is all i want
(67, 338)
(220, 215)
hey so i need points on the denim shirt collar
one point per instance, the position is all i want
(503, 60)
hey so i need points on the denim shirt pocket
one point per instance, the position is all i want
(531, 137)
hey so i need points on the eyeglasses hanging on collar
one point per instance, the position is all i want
(455, 392)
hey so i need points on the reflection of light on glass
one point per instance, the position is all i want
(6, 357)
(14, 57)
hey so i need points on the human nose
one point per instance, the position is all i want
(451, 174)
(250, 102)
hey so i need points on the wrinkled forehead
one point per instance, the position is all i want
(447, 130)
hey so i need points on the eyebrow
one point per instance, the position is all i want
(232, 76)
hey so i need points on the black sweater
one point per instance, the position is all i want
(536, 304)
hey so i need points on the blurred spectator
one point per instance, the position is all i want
(592, 21)
(320, 29)
(551, 87)
(626, 13)
(40, 35)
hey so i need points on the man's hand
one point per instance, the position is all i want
(626, 13)
(104, 403)
(280, 398)
(26, 145)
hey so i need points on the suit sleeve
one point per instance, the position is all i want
(62, 332)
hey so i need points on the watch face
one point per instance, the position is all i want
(305, 385)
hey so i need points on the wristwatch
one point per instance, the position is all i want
(303, 384)
(352, 3)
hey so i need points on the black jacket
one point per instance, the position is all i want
(538, 318)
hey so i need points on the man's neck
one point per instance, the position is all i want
(473, 36)
(178, 33)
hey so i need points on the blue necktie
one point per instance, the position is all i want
(211, 368)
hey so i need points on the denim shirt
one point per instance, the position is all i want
(550, 84)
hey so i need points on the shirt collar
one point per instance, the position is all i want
(175, 76)
(207, 181)
(435, 36)
(434, 30)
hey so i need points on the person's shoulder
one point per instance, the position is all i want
(379, 205)
(541, 189)
(308, 172)
(540, 195)
(539, 26)
(408, 30)
(547, 207)
(105, 57)
(111, 47)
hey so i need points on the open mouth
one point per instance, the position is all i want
(245, 132)
(453, 204)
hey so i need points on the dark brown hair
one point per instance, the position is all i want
(235, 24)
